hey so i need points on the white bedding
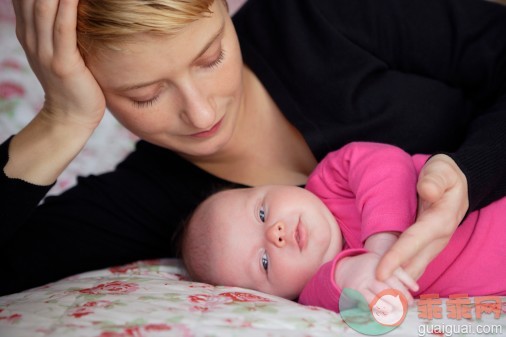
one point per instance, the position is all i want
(151, 298)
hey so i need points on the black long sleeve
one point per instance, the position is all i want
(106, 220)
(461, 44)
(428, 76)
(18, 199)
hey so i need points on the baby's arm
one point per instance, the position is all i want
(370, 187)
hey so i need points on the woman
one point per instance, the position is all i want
(428, 76)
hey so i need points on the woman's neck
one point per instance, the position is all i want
(265, 148)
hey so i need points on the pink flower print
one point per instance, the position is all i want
(80, 312)
(157, 327)
(123, 269)
(115, 334)
(201, 301)
(137, 331)
(88, 308)
(244, 297)
(199, 298)
(181, 277)
(134, 266)
(11, 64)
(12, 318)
(114, 287)
(10, 90)
(199, 308)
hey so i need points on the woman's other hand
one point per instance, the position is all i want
(443, 203)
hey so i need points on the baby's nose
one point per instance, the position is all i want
(276, 234)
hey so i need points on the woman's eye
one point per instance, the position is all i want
(145, 104)
(261, 214)
(265, 261)
(216, 62)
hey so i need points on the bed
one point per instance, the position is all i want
(154, 298)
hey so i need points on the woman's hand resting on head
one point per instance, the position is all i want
(47, 31)
(443, 203)
(74, 103)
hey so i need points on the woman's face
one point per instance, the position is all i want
(182, 92)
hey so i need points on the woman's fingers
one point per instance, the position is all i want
(65, 36)
(25, 30)
(416, 247)
(44, 14)
(47, 32)
(417, 265)
(401, 252)
(406, 279)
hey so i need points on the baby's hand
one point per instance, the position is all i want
(358, 273)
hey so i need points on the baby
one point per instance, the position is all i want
(311, 243)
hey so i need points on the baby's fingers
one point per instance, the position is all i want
(406, 247)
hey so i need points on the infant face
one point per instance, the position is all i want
(271, 238)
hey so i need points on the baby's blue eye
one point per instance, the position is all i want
(265, 261)
(261, 214)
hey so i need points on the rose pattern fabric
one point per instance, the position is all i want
(153, 298)
(114, 287)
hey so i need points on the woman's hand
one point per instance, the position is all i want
(74, 103)
(47, 31)
(443, 203)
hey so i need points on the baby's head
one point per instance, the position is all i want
(270, 238)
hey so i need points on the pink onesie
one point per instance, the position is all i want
(370, 188)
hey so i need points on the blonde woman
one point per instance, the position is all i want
(256, 100)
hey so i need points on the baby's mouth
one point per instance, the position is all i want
(300, 235)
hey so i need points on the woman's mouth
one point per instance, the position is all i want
(208, 133)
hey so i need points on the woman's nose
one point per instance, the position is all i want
(197, 110)
(276, 234)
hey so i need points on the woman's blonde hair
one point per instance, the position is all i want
(108, 23)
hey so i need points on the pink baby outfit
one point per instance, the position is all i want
(371, 188)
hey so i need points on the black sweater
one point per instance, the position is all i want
(426, 75)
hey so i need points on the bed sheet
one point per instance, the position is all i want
(153, 298)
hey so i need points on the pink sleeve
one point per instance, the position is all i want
(322, 290)
(368, 186)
